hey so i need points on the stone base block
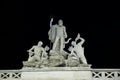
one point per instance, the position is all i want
(63, 74)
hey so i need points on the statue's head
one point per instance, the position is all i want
(46, 48)
(73, 43)
(40, 43)
(60, 22)
(70, 48)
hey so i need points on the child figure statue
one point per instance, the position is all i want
(77, 50)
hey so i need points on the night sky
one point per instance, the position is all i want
(24, 23)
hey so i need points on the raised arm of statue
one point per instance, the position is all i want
(82, 40)
(51, 22)
(78, 37)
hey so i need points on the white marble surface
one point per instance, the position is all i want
(57, 75)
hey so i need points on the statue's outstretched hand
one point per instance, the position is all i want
(29, 51)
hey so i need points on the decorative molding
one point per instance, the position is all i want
(10, 75)
(97, 74)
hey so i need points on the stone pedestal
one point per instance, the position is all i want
(57, 73)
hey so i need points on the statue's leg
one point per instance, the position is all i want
(61, 44)
(55, 43)
(83, 59)
(38, 58)
(31, 59)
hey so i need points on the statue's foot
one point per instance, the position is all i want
(53, 52)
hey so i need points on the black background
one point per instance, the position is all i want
(24, 23)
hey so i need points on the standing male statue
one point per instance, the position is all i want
(57, 35)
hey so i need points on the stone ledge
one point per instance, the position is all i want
(57, 75)
(57, 68)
